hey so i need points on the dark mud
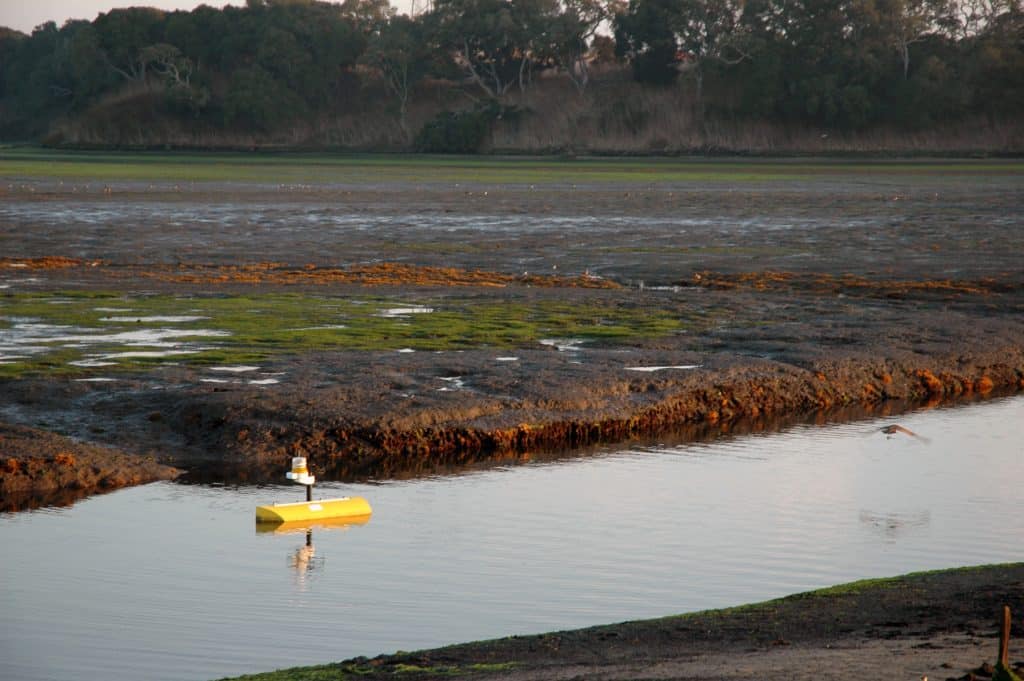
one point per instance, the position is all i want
(915, 221)
(386, 417)
(812, 299)
(39, 468)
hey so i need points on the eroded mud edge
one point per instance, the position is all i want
(258, 441)
(40, 468)
(246, 435)
(781, 349)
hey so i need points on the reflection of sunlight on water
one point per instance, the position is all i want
(24, 332)
(399, 312)
(304, 561)
(663, 368)
(453, 383)
(563, 344)
(27, 337)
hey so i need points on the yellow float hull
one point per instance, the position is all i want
(302, 526)
(312, 511)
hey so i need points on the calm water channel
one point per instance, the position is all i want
(170, 581)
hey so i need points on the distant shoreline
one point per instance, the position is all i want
(698, 153)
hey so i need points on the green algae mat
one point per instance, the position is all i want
(75, 332)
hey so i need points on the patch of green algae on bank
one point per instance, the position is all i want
(48, 333)
(861, 586)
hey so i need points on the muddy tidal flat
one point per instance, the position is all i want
(394, 316)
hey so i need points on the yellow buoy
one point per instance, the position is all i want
(309, 510)
(313, 510)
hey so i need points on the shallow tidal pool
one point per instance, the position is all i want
(169, 581)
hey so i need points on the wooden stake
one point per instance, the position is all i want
(1004, 638)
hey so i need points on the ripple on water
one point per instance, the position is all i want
(172, 581)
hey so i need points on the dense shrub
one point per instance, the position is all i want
(456, 132)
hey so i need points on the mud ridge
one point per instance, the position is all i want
(257, 444)
(276, 273)
(825, 283)
(40, 468)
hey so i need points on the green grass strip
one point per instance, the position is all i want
(323, 169)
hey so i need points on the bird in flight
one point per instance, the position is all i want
(896, 428)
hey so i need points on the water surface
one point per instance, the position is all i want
(170, 581)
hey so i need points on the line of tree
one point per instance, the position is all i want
(843, 64)
(839, 63)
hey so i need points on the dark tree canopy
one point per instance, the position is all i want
(845, 64)
(842, 64)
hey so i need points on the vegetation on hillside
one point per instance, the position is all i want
(444, 79)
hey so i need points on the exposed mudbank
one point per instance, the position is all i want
(363, 416)
(772, 347)
(940, 625)
(39, 468)
(380, 274)
(351, 435)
